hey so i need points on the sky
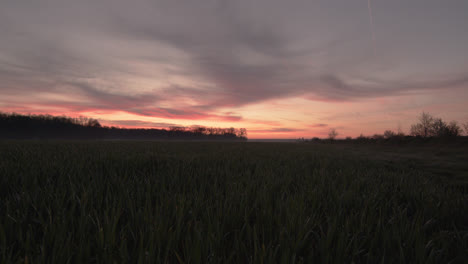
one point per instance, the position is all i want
(280, 69)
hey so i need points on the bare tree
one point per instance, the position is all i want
(400, 132)
(453, 129)
(389, 134)
(439, 127)
(93, 123)
(424, 127)
(430, 126)
(242, 133)
(332, 134)
(466, 128)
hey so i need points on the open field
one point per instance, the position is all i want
(221, 202)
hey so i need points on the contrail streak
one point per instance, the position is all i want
(371, 20)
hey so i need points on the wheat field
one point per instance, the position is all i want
(222, 202)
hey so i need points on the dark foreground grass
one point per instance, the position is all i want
(151, 202)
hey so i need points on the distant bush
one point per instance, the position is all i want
(361, 138)
(378, 137)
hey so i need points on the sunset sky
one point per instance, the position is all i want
(281, 69)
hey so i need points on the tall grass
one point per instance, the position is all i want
(150, 202)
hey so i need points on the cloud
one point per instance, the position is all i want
(333, 88)
(189, 114)
(318, 125)
(189, 60)
(275, 130)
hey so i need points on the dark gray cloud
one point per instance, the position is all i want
(185, 59)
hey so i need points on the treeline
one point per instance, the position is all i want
(17, 126)
(428, 128)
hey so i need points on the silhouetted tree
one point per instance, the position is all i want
(453, 129)
(430, 126)
(211, 131)
(93, 123)
(242, 133)
(424, 127)
(389, 134)
(332, 134)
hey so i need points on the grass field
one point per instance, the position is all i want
(220, 202)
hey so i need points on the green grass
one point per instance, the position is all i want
(208, 202)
